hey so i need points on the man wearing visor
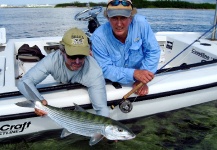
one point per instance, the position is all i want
(125, 47)
(70, 64)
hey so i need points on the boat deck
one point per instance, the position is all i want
(171, 44)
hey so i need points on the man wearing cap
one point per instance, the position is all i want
(70, 64)
(125, 47)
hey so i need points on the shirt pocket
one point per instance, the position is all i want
(116, 58)
(136, 49)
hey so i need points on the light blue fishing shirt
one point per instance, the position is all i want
(90, 75)
(119, 60)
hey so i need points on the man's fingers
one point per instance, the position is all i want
(148, 77)
(143, 76)
(142, 91)
(39, 112)
(44, 102)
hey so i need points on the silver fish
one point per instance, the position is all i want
(81, 122)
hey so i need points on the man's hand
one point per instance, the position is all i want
(143, 90)
(143, 76)
(40, 112)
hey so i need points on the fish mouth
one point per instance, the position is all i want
(132, 137)
(129, 137)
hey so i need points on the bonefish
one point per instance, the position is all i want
(81, 122)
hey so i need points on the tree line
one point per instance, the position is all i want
(148, 4)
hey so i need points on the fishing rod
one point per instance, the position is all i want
(215, 22)
(188, 46)
(125, 105)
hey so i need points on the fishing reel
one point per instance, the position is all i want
(125, 106)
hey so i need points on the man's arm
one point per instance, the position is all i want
(34, 76)
(151, 49)
(92, 78)
(98, 97)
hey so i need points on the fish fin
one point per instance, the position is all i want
(26, 104)
(95, 139)
(32, 95)
(65, 133)
(78, 108)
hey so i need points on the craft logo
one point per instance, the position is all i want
(10, 129)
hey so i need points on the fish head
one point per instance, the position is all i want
(118, 132)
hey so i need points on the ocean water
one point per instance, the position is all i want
(192, 128)
(38, 22)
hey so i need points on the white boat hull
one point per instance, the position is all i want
(170, 90)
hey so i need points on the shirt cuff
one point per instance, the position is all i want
(130, 77)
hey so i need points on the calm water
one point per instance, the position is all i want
(37, 22)
(189, 128)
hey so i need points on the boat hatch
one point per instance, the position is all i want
(2, 71)
(2, 36)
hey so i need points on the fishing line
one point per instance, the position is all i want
(197, 40)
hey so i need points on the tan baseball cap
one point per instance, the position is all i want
(120, 10)
(75, 42)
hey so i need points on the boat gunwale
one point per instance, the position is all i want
(115, 84)
(117, 101)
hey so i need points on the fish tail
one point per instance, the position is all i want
(26, 104)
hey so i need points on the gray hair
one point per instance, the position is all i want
(62, 48)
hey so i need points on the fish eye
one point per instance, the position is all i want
(120, 130)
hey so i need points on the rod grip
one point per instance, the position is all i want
(133, 90)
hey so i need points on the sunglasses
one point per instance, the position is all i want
(117, 2)
(76, 56)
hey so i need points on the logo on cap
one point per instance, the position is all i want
(77, 40)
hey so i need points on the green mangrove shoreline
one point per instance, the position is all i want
(148, 4)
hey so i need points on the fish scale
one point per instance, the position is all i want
(81, 116)
(81, 121)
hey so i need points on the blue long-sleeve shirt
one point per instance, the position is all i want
(119, 60)
(90, 75)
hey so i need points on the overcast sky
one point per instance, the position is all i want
(22, 2)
